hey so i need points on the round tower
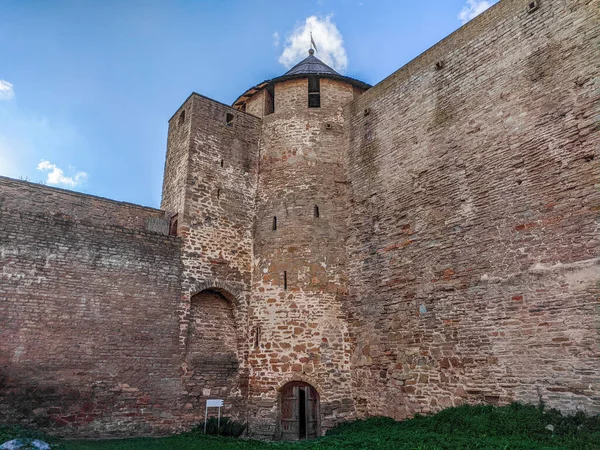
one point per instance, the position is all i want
(299, 355)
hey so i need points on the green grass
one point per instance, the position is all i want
(466, 427)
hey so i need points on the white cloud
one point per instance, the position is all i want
(56, 176)
(473, 8)
(276, 39)
(330, 44)
(6, 90)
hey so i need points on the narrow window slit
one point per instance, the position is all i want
(285, 280)
(316, 211)
(229, 119)
(274, 223)
(181, 118)
(532, 6)
(218, 193)
(314, 92)
(256, 337)
(269, 100)
(173, 226)
(222, 162)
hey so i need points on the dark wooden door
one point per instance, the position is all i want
(299, 412)
(312, 413)
(290, 424)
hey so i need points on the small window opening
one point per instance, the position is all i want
(328, 126)
(314, 92)
(218, 193)
(367, 111)
(222, 162)
(256, 337)
(269, 100)
(532, 6)
(316, 210)
(229, 119)
(274, 223)
(285, 280)
(173, 226)
(181, 118)
(589, 158)
(439, 65)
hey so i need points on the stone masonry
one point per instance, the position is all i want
(426, 242)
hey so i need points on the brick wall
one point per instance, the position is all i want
(88, 334)
(473, 219)
(213, 346)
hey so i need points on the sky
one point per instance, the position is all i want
(87, 86)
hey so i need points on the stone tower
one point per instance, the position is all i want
(257, 193)
(298, 330)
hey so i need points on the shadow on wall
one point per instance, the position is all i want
(212, 366)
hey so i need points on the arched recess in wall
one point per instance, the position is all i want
(299, 411)
(212, 351)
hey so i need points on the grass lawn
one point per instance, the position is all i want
(466, 427)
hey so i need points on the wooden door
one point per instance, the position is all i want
(312, 413)
(290, 425)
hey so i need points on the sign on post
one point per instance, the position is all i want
(214, 403)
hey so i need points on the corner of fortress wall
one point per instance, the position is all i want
(473, 219)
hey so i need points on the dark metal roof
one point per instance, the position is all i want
(308, 66)
(311, 66)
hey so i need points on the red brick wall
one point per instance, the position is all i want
(473, 218)
(88, 334)
(212, 354)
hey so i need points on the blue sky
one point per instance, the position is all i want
(87, 87)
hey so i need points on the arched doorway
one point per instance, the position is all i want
(299, 412)
(211, 348)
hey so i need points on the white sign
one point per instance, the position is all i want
(215, 403)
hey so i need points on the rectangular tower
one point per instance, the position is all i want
(209, 189)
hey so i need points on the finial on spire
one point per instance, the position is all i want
(311, 51)
(312, 44)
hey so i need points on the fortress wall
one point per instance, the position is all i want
(40, 199)
(217, 164)
(301, 327)
(473, 223)
(88, 334)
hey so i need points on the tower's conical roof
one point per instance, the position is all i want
(310, 65)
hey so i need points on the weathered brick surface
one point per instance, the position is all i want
(87, 209)
(473, 244)
(215, 210)
(88, 334)
(212, 355)
(455, 257)
(303, 336)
